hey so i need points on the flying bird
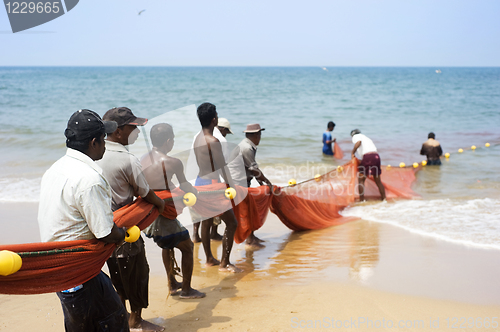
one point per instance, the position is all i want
(139, 13)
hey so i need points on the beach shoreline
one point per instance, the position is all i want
(361, 269)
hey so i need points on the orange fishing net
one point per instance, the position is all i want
(312, 204)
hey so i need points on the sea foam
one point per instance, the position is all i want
(20, 189)
(473, 222)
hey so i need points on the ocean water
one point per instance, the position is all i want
(396, 107)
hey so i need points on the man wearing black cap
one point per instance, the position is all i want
(128, 266)
(75, 204)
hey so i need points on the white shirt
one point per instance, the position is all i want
(75, 200)
(366, 146)
(124, 173)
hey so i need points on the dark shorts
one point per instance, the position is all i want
(95, 307)
(130, 276)
(436, 162)
(167, 233)
(370, 165)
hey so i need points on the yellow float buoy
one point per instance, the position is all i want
(317, 177)
(473, 147)
(460, 150)
(402, 165)
(447, 155)
(424, 162)
(292, 182)
(340, 168)
(10, 262)
(133, 233)
(487, 145)
(388, 166)
(189, 199)
(230, 193)
(415, 165)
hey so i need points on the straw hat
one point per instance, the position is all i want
(253, 128)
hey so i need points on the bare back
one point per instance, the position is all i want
(208, 152)
(159, 169)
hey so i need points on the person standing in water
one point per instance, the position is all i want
(432, 149)
(328, 141)
(370, 162)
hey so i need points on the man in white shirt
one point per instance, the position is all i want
(75, 204)
(370, 162)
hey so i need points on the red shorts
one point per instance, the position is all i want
(370, 165)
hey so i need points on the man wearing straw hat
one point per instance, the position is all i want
(248, 149)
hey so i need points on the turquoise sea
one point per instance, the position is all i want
(396, 107)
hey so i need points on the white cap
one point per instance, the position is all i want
(223, 122)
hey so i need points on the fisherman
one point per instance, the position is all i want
(220, 132)
(432, 149)
(248, 149)
(210, 160)
(159, 168)
(370, 162)
(128, 265)
(328, 140)
(75, 204)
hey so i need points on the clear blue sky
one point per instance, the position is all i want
(261, 33)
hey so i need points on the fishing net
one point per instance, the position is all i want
(312, 204)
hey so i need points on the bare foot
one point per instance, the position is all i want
(196, 238)
(254, 245)
(230, 268)
(176, 288)
(212, 262)
(216, 237)
(192, 294)
(146, 326)
(257, 239)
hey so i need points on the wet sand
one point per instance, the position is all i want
(361, 275)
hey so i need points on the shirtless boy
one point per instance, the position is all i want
(210, 159)
(159, 169)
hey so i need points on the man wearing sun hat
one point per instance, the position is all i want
(128, 265)
(75, 204)
(248, 149)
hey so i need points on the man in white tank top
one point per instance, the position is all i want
(370, 162)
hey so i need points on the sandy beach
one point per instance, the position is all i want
(361, 275)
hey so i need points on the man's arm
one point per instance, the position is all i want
(152, 198)
(423, 150)
(356, 146)
(117, 236)
(183, 183)
(215, 149)
(440, 150)
(95, 207)
(260, 177)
